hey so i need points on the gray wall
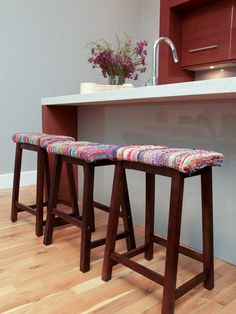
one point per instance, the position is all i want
(43, 54)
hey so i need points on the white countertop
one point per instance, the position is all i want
(218, 89)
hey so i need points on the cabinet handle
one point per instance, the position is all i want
(202, 48)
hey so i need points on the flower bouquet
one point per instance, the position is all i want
(125, 61)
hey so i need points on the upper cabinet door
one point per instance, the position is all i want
(233, 33)
(206, 34)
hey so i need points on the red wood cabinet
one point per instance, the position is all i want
(170, 26)
(206, 34)
(233, 34)
(182, 5)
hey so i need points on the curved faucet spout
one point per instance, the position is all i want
(174, 54)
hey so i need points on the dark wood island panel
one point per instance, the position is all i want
(60, 120)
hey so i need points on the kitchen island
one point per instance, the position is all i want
(196, 114)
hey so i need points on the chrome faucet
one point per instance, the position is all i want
(156, 44)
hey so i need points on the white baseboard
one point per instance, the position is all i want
(27, 178)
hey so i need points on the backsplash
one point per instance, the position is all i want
(215, 73)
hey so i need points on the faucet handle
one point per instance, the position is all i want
(148, 82)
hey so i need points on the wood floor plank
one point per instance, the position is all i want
(229, 309)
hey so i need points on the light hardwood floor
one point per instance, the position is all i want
(39, 279)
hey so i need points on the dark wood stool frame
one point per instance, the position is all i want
(86, 222)
(172, 243)
(42, 173)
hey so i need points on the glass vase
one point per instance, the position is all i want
(116, 80)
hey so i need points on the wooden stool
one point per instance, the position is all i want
(89, 156)
(34, 142)
(178, 164)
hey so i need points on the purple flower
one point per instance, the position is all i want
(126, 61)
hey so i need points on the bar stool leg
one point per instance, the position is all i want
(73, 194)
(116, 199)
(127, 216)
(207, 227)
(86, 218)
(173, 236)
(149, 215)
(39, 193)
(47, 176)
(52, 202)
(16, 182)
(92, 221)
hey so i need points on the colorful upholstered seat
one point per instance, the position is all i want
(39, 139)
(88, 151)
(48, 139)
(178, 164)
(131, 152)
(36, 142)
(88, 155)
(182, 159)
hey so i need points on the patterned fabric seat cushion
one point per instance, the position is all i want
(133, 152)
(88, 151)
(182, 159)
(48, 139)
(39, 139)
